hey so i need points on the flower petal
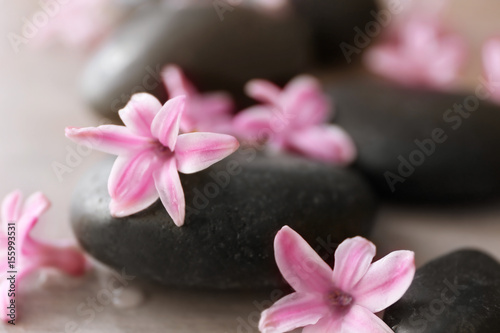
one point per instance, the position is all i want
(110, 139)
(329, 324)
(131, 184)
(386, 281)
(299, 264)
(491, 63)
(263, 91)
(139, 113)
(176, 82)
(63, 256)
(255, 123)
(293, 311)
(165, 126)
(22, 272)
(352, 260)
(11, 208)
(33, 208)
(328, 143)
(197, 151)
(359, 319)
(169, 186)
(304, 102)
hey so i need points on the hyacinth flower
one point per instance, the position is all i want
(204, 112)
(418, 50)
(151, 153)
(344, 299)
(491, 64)
(30, 254)
(294, 119)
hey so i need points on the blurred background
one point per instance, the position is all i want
(41, 93)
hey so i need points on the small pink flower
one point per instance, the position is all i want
(31, 254)
(419, 51)
(294, 119)
(204, 112)
(343, 300)
(491, 64)
(150, 154)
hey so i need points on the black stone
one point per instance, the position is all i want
(216, 54)
(457, 293)
(335, 22)
(385, 119)
(227, 240)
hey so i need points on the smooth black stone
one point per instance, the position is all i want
(385, 119)
(334, 22)
(228, 244)
(215, 54)
(458, 293)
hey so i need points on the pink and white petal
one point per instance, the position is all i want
(131, 185)
(176, 82)
(165, 126)
(253, 123)
(139, 113)
(329, 324)
(263, 91)
(359, 319)
(197, 151)
(328, 143)
(386, 281)
(353, 257)
(216, 104)
(299, 264)
(11, 208)
(491, 63)
(293, 311)
(5, 299)
(169, 187)
(110, 139)
(63, 256)
(304, 102)
(33, 208)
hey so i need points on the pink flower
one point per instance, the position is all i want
(294, 119)
(491, 63)
(342, 300)
(150, 152)
(204, 112)
(419, 51)
(31, 254)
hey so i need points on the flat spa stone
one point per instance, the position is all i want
(459, 292)
(235, 208)
(336, 24)
(414, 146)
(215, 54)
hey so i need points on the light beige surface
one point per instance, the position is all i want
(39, 97)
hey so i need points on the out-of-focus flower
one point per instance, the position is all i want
(343, 300)
(418, 50)
(151, 153)
(491, 64)
(294, 119)
(204, 112)
(23, 254)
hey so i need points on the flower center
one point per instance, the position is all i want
(339, 298)
(161, 149)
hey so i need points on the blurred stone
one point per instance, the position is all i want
(417, 144)
(215, 53)
(459, 293)
(234, 210)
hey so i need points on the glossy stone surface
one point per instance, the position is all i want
(459, 292)
(234, 210)
(421, 145)
(215, 54)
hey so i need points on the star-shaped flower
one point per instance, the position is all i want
(491, 64)
(150, 154)
(204, 112)
(343, 300)
(30, 254)
(419, 51)
(294, 119)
